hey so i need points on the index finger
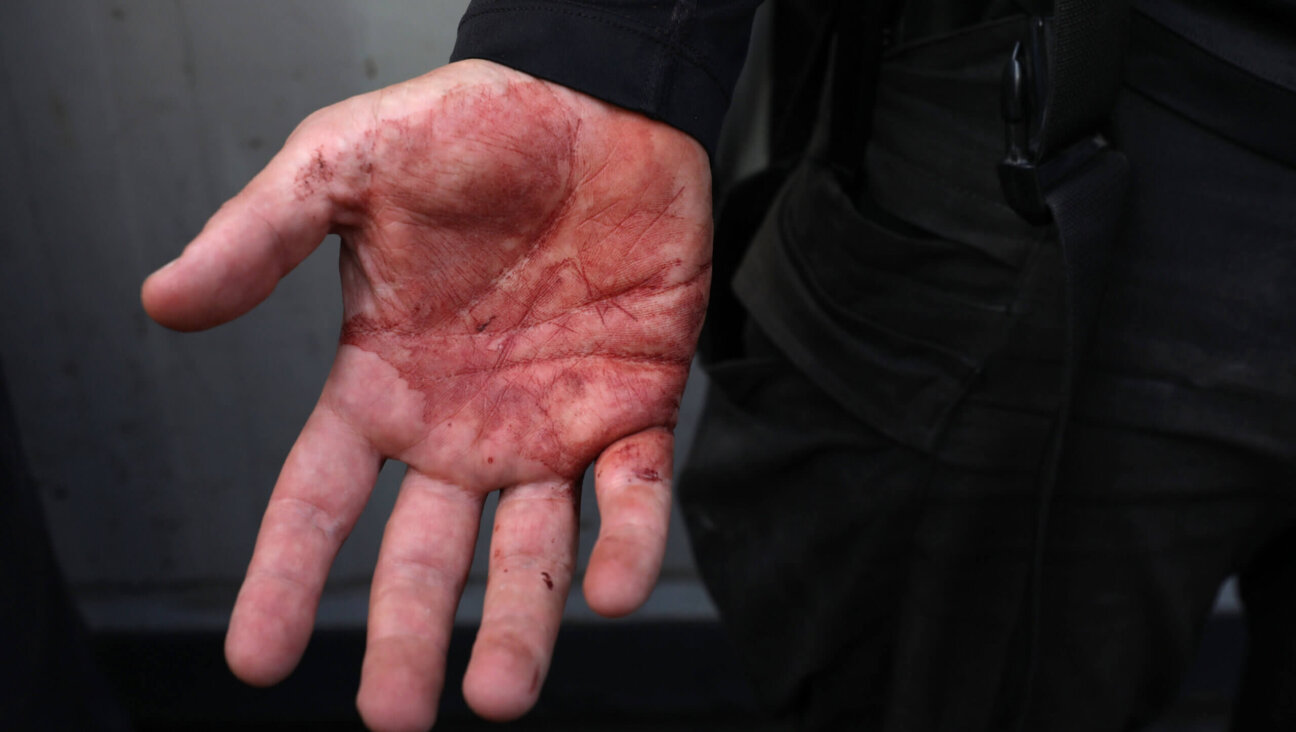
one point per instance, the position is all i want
(320, 493)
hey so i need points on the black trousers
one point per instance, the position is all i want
(872, 584)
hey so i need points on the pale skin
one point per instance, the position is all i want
(524, 274)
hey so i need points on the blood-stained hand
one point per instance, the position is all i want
(524, 273)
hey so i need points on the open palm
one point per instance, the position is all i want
(524, 274)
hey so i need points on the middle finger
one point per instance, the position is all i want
(422, 567)
(533, 551)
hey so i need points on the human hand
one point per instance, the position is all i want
(524, 273)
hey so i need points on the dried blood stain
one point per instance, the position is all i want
(547, 580)
(521, 286)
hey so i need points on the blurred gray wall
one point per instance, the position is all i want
(123, 125)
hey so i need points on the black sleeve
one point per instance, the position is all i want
(673, 60)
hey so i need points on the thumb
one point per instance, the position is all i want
(255, 239)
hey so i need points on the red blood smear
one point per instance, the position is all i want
(523, 292)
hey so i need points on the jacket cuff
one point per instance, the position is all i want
(643, 55)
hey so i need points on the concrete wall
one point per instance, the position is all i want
(123, 125)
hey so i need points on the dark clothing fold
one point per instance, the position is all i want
(863, 494)
(674, 61)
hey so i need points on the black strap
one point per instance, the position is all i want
(1086, 210)
(742, 206)
(861, 38)
(795, 118)
(1059, 88)
(1089, 39)
(857, 31)
(1085, 61)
